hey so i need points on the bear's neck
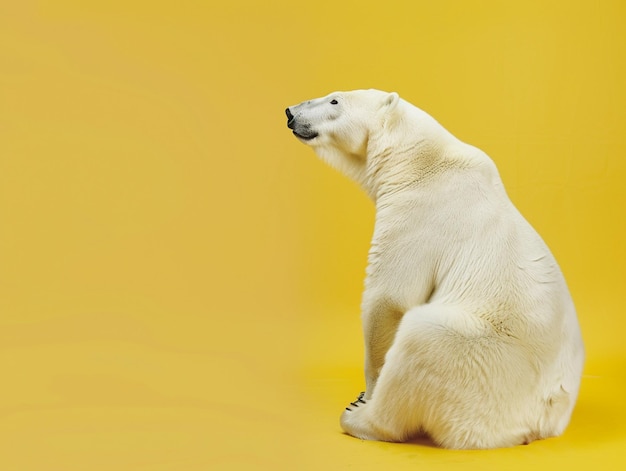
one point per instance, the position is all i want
(398, 168)
(408, 153)
(411, 163)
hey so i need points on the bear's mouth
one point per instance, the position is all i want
(305, 137)
(300, 130)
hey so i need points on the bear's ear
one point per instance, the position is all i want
(391, 101)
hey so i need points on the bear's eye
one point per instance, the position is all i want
(334, 102)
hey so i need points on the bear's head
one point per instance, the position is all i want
(343, 120)
(341, 126)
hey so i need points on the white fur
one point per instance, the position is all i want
(470, 332)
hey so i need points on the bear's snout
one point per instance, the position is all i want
(300, 129)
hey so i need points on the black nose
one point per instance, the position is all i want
(290, 122)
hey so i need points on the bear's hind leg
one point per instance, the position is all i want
(444, 375)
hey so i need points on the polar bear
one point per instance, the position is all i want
(471, 336)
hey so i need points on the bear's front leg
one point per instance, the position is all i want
(380, 322)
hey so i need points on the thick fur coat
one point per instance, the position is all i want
(470, 332)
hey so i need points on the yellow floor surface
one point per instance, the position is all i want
(106, 398)
(180, 278)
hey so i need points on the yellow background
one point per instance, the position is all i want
(180, 278)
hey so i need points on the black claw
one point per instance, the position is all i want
(356, 403)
